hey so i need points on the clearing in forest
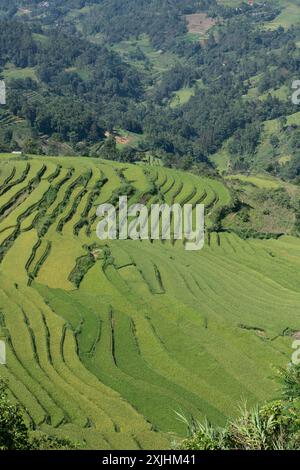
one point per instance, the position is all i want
(199, 23)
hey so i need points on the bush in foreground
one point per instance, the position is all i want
(274, 426)
(15, 435)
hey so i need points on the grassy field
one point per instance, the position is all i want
(289, 15)
(182, 96)
(259, 181)
(108, 340)
(13, 73)
(159, 61)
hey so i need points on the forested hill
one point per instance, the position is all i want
(188, 82)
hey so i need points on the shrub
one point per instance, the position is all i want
(14, 434)
(273, 426)
(13, 431)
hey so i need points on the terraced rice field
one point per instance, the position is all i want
(106, 341)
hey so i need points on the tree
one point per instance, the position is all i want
(274, 141)
(13, 431)
(109, 149)
(15, 435)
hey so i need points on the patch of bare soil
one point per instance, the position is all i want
(199, 23)
(120, 139)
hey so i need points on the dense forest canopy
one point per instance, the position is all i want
(80, 70)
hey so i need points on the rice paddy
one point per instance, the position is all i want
(106, 341)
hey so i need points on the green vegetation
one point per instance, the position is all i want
(95, 330)
(182, 96)
(15, 435)
(147, 80)
(288, 16)
(267, 207)
(183, 102)
(273, 426)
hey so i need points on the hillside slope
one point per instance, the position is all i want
(106, 341)
(189, 82)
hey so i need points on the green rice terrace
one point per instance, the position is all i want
(106, 341)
